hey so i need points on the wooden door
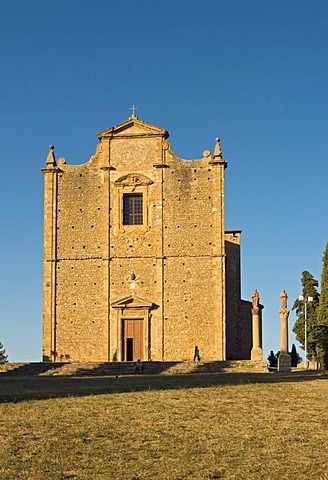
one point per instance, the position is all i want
(133, 339)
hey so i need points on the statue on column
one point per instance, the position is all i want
(255, 299)
(256, 352)
(283, 298)
(284, 360)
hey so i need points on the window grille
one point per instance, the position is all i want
(132, 209)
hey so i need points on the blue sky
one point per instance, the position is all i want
(254, 73)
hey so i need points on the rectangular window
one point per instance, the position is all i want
(132, 209)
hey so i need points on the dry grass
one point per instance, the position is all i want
(138, 428)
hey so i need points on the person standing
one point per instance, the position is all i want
(196, 354)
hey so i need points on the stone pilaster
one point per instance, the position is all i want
(50, 257)
(106, 353)
(218, 164)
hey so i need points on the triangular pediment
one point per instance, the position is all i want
(133, 302)
(133, 127)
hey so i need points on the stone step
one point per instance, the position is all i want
(126, 368)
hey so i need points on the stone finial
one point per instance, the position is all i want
(217, 149)
(283, 298)
(255, 299)
(51, 161)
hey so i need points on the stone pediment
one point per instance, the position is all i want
(133, 302)
(133, 127)
(133, 180)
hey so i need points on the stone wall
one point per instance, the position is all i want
(192, 246)
(169, 271)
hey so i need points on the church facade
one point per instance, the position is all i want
(137, 263)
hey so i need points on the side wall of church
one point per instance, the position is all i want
(246, 329)
(239, 317)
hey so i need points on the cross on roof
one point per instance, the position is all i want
(133, 108)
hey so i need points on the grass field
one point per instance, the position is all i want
(209, 426)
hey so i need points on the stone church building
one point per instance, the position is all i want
(137, 263)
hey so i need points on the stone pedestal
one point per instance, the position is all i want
(284, 362)
(257, 352)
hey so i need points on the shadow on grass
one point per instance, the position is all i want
(119, 368)
(82, 369)
(31, 368)
(22, 388)
(124, 368)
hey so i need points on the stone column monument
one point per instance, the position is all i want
(284, 360)
(257, 352)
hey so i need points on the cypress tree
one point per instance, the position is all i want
(295, 358)
(272, 359)
(309, 289)
(321, 333)
(323, 303)
(3, 356)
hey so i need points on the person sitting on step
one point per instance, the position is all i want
(138, 366)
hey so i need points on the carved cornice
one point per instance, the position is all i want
(49, 170)
(160, 165)
(224, 163)
(107, 168)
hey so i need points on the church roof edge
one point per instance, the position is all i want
(146, 129)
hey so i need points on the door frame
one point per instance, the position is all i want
(133, 308)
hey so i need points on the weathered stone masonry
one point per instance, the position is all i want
(136, 260)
